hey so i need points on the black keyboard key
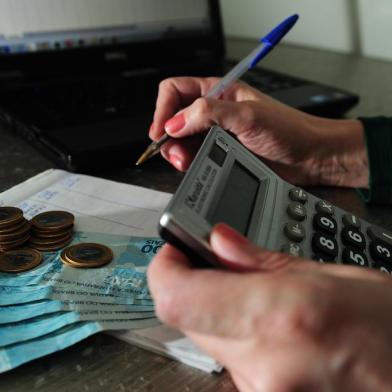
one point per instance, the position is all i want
(325, 223)
(353, 237)
(383, 267)
(381, 251)
(355, 257)
(325, 244)
(321, 258)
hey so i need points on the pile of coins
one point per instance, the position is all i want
(22, 241)
(51, 230)
(87, 255)
(14, 229)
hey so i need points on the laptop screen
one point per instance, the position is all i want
(57, 25)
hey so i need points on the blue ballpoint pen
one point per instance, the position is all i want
(267, 44)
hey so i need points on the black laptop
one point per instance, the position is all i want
(79, 81)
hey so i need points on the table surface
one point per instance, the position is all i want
(102, 363)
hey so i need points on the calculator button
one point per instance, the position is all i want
(294, 231)
(376, 233)
(293, 249)
(324, 207)
(351, 220)
(353, 237)
(325, 223)
(383, 267)
(355, 257)
(323, 258)
(325, 244)
(381, 251)
(296, 211)
(298, 194)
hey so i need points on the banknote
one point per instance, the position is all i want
(130, 253)
(15, 313)
(17, 354)
(42, 325)
(122, 282)
(18, 295)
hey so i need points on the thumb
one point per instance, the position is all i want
(206, 112)
(236, 252)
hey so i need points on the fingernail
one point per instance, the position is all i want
(175, 124)
(228, 233)
(176, 161)
(233, 249)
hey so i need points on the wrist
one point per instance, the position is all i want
(342, 155)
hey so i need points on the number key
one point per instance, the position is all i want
(325, 223)
(353, 237)
(381, 251)
(325, 244)
(355, 257)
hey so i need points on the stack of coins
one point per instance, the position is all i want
(51, 230)
(87, 255)
(14, 229)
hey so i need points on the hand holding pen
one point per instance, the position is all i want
(267, 44)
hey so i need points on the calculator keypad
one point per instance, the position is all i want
(327, 234)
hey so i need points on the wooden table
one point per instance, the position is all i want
(102, 363)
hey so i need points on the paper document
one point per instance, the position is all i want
(109, 207)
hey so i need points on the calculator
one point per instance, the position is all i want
(228, 183)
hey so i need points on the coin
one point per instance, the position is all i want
(87, 255)
(53, 220)
(15, 243)
(19, 260)
(13, 226)
(52, 247)
(16, 234)
(52, 234)
(9, 216)
(50, 241)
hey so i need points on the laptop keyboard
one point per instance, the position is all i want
(68, 102)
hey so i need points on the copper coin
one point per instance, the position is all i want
(50, 241)
(10, 215)
(53, 220)
(16, 234)
(19, 260)
(52, 247)
(88, 255)
(52, 234)
(19, 241)
(13, 226)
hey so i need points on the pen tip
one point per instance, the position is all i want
(142, 158)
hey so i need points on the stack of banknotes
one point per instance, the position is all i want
(53, 306)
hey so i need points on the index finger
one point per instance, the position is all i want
(174, 94)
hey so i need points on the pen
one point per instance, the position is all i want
(267, 44)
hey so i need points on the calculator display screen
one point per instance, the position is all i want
(237, 199)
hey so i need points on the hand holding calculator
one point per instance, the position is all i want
(227, 183)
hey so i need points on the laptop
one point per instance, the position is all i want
(78, 80)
